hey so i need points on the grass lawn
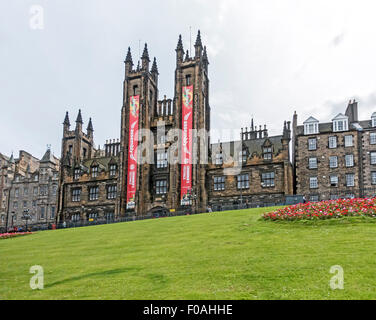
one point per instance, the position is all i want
(227, 255)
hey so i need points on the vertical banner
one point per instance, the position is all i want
(134, 109)
(186, 145)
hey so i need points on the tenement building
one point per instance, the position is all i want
(32, 193)
(256, 170)
(335, 159)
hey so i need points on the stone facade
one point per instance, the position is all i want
(167, 114)
(255, 170)
(7, 167)
(88, 176)
(33, 190)
(333, 160)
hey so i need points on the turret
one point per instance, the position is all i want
(198, 46)
(179, 51)
(154, 70)
(79, 121)
(66, 123)
(128, 62)
(145, 58)
(89, 129)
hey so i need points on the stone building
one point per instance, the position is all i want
(88, 176)
(256, 170)
(33, 189)
(7, 167)
(335, 159)
(160, 184)
(160, 164)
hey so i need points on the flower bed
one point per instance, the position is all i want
(12, 235)
(325, 210)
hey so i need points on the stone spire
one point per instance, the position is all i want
(128, 59)
(205, 57)
(198, 45)
(79, 117)
(66, 120)
(180, 44)
(90, 126)
(145, 54)
(179, 51)
(154, 67)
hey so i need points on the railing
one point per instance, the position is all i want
(187, 211)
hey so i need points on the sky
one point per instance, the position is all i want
(267, 60)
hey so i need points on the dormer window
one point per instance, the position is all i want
(340, 123)
(267, 153)
(77, 173)
(311, 126)
(373, 119)
(94, 171)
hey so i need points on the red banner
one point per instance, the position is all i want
(186, 145)
(132, 151)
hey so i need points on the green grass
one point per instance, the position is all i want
(227, 255)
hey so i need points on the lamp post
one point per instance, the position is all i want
(26, 216)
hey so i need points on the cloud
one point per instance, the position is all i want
(338, 39)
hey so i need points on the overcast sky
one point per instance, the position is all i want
(267, 59)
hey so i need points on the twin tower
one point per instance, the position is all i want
(163, 185)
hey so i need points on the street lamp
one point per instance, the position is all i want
(26, 216)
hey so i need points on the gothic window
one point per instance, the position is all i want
(35, 191)
(42, 212)
(76, 195)
(349, 160)
(93, 193)
(267, 179)
(188, 80)
(162, 159)
(75, 217)
(16, 192)
(70, 149)
(267, 153)
(26, 191)
(332, 142)
(243, 181)
(111, 192)
(85, 151)
(25, 204)
(219, 183)
(54, 188)
(161, 186)
(350, 180)
(94, 171)
(135, 89)
(312, 144)
(113, 170)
